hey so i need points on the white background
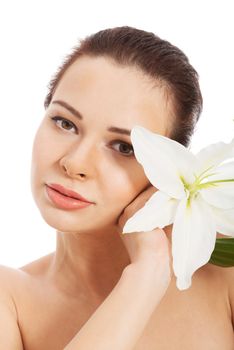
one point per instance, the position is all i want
(34, 38)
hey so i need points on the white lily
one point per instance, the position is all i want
(195, 193)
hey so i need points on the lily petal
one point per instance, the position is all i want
(220, 195)
(224, 221)
(164, 161)
(223, 172)
(214, 154)
(232, 142)
(158, 211)
(193, 239)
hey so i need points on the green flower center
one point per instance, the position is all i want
(192, 189)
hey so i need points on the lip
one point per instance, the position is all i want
(63, 201)
(68, 192)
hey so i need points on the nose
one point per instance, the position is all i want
(80, 161)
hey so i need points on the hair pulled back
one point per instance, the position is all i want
(157, 58)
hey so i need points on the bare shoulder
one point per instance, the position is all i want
(7, 272)
(228, 275)
(220, 279)
(9, 277)
(221, 275)
(9, 280)
(224, 277)
(10, 337)
(218, 271)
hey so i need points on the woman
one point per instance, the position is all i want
(100, 289)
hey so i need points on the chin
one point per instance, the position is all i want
(75, 221)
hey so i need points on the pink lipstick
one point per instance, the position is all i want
(65, 198)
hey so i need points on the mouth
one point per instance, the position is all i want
(63, 193)
(63, 201)
(67, 192)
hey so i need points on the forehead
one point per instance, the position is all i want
(102, 90)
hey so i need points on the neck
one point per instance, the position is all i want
(88, 262)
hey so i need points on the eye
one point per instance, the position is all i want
(124, 148)
(65, 123)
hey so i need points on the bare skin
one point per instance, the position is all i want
(55, 296)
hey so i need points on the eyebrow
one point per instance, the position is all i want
(80, 117)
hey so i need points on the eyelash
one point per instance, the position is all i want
(55, 119)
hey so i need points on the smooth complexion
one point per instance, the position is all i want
(105, 94)
(100, 288)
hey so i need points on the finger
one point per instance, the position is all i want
(140, 200)
(137, 203)
(147, 193)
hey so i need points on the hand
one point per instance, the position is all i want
(136, 204)
(151, 247)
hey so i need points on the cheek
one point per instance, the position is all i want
(39, 151)
(46, 146)
(41, 157)
(125, 184)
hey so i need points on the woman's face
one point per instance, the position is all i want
(106, 95)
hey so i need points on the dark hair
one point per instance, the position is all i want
(158, 58)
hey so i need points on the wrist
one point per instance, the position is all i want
(150, 281)
(147, 270)
(151, 268)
